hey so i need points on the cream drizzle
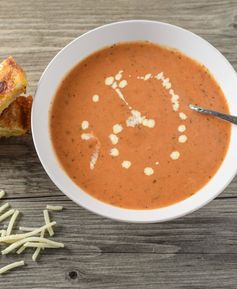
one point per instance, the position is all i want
(121, 96)
(136, 118)
(95, 154)
(114, 152)
(94, 157)
(114, 139)
(117, 128)
(95, 98)
(182, 138)
(166, 83)
(86, 136)
(119, 75)
(111, 81)
(126, 164)
(123, 83)
(148, 171)
(175, 155)
(182, 128)
(183, 116)
(85, 125)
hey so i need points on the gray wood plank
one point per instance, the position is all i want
(195, 233)
(110, 271)
(197, 251)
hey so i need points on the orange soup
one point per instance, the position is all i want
(122, 129)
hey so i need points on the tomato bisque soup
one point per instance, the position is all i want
(123, 131)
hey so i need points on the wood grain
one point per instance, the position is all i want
(194, 252)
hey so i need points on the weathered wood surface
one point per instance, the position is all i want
(195, 252)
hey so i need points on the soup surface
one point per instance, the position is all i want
(122, 129)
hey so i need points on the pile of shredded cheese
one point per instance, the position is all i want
(29, 237)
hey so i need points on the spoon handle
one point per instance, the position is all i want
(227, 117)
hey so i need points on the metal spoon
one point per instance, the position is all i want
(227, 117)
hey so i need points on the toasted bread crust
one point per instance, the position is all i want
(12, 82)
(15, 119)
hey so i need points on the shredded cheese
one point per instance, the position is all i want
(27, 229)
(38, 245)
(4, 207)
(6, 215)
(12, 222)
(47, 221)
(11, 266)
(20, 242)
(2, 194)
(54, 208)
(13, 238)
(20, 250)
(17, 244)
(37, 251)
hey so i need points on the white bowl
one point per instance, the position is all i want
(157, 32)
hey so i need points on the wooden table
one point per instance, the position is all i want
(197, 251)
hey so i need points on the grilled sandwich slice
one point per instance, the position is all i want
(15, 119)
(13, 82)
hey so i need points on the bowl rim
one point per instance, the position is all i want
(178, 209)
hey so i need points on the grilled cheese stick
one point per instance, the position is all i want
(15, 119)
(13, 82)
